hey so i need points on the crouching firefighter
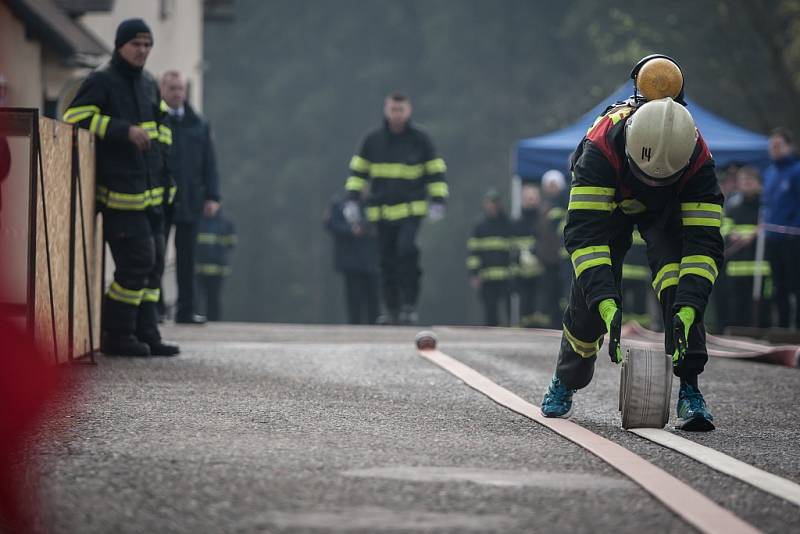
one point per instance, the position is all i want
(120, 103)
(643, 164)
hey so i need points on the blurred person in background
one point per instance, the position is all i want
(740, 254)
(216, 239)
(120, 103)
(781, 209)
(557, 276)
(527, 269)
(194, 166)
(489, 259)
(406, 178)
(355, 253)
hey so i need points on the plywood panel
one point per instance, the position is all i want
(56, 143)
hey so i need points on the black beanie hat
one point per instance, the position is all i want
(129, 29)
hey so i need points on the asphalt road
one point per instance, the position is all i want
(282, 428)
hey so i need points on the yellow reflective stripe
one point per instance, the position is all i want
(151, 295)
(417, 208)
(163, 107)
(488, 243)
(132, 201)
(523, 241)
(374, 213)
(632, 206)
(438, 189)
(699, 265)
(495, 273)
(79, 113)
(359, 164)
(586, 258)
(355, 183)
(667, 276)
(701, 214)
(635, 272)
(591, 198)
(172, 190)
(396, 171)
(229, 240)
(473, 262)
(619, 115)
(637, 239)
(204, 238)
(165, 134)
(555, 213)
(744, 229)
(103, 126)
(93, 125)
(126, 296)
(747, 268)
(584, 349)
(435, 166)
(212, 269)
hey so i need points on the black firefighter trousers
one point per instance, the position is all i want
(130, 306)
(583, 332)
(399, 262)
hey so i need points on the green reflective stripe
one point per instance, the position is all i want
(699, 265)
(103, 126)
(435, 166)
(667, 276)
(95, 122)
(164, 134)
(151, 295)
(488, 243)
(126, 296)
(635, 272)
(212, 269)
(523, 241)
(172, 190)
(637, 239)
(584, 349)
(632, 207)
(438, 189)
(355, 183)
(359, 164)
(396, 171)
(79, 113)
(495, 273)
(374, 213)
(228, 240)
(744, 229)
(591, 198)
(473, 262)
(586, 258)
(701, 214)
(396, 212)
(99, 125)
(204, 238)
(163, 107)
(131, 201)
(555, 213)
(747, 268)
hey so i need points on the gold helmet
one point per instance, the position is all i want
(660, 137)
(658, 76)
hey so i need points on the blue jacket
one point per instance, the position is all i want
(781, 194)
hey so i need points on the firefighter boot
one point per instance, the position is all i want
(112, 344)
(147, 331)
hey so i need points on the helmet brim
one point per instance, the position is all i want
(650, 180)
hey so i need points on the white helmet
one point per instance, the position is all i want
(660, 138)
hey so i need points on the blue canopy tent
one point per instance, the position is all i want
(728, 142)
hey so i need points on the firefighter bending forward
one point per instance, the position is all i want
(120, 103)
(646, 166)
(400, 165)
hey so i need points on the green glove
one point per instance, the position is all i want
(681, 324)
(613, 319)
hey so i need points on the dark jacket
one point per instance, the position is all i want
(216, 239)
(605, 192)
(114, 97)
(403, 171)
(781, 195)
(742, 222)
(489, 249)
(351, 253)
(193, 164)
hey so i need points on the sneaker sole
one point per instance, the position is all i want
(695, 424)
(565, 416)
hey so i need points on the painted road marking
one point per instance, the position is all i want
(695, 508)
(780, 487)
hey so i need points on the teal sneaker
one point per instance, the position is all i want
(557, 402)
(693, 416)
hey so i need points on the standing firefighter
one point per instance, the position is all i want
(489, 258)
(400, 162)
(216, 239)
(120, 104)
(644, 165)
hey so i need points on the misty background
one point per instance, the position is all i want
(292, 86)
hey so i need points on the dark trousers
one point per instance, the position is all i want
(740, 305)
(634, 300)
(495, 296)
(783, 255)
(136, 240)
(583, 332)
(552, 293)
(527, 289)
(210, 289)
(361, 296)
(185, 247)
(399, 262)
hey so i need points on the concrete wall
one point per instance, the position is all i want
(20, 62)
(177, 31)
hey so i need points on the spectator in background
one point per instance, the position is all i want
(557, 276)
(216, 238)
(781, 202)
(527, 268)
(489, 259)
(355, 253)
(194, 166)
(740, 252)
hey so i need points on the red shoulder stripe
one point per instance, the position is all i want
(598, 135)
(703, 156)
